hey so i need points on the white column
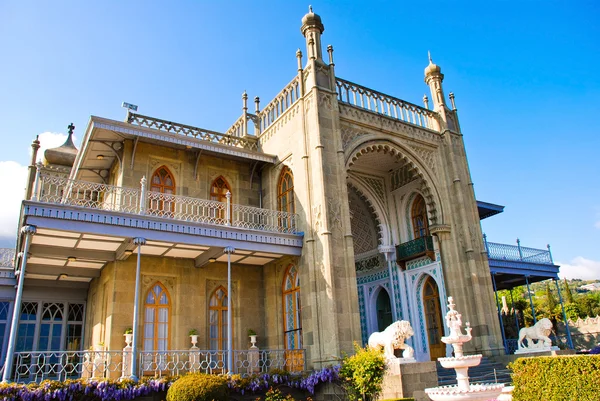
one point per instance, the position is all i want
(134, 348)
(28, 231)
(229, 250)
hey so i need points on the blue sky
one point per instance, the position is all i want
(524, 75)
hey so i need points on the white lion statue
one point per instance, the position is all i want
(539, 331)
(392, 338)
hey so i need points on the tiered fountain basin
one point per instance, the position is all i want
(476, 392)
(466, 361)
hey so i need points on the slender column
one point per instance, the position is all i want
(392, 290)
(499, 313)
(134, 347)
(28, 231)
(228, 210)
(562, 306)
(530, 300)
(36, 182)
(143, 195)
(229, 250)
(245, 114)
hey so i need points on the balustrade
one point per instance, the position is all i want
(368, 99)
(59, 190)
(233, 137)
(283, 101)
(7, 257)
(61, 365)
(416, 248)
(518, 253)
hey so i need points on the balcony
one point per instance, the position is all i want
(63, 191)
(514, 265)
(416, 248)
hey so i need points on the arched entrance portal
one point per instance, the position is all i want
(433, 319)
(384, 310)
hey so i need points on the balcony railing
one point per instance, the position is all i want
(368, 99)
(416, 248)
(61, 365)
(518, 253)
(58, 190)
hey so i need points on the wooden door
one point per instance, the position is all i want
(433, 319)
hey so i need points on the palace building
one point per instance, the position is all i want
(313, 221)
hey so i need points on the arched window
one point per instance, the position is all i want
(419, 217)
(157, 314)
(383, 305)
(292, 322)
(218, 192)
(285, 197)
(217, 312)
(163, 185)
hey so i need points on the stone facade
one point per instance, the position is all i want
(360, 161)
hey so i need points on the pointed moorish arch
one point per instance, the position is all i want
(409, 158)
(376, 209)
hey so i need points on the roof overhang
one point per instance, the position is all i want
(486, 209)
(102, 145)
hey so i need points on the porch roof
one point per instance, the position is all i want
(74, 243)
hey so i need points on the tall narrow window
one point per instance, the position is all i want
(433, 319)
(419, 218)
(157, 310)
(292, 323)
(218, 192)
(162, 187)
(285, 197)
(218, 319)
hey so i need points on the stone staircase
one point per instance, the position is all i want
(488, 371)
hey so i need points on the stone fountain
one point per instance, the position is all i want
(463, 390)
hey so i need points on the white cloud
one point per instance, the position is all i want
(580, 268)
(13, 176)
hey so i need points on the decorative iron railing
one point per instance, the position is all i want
(52, 189)
(232, 138)
(415, 248)
(280, 103)
(61, 365)
(377, 102)
(35, 366)
(7, 257)
(518, 253)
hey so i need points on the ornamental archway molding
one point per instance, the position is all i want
(386, 146)
(375, 208)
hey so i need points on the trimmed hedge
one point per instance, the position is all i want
(556, 378)
(199, 387)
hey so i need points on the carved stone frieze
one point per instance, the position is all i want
(325, 100)
(334, 213)
(149, 280)
(348, 135)
(428, 156)
(383, 122)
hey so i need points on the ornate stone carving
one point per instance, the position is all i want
(348, 135)
(167, 281)
(334, 213)
(317, 218)
(325, 100)
(428, 156)
(282, 120)
(392, 338)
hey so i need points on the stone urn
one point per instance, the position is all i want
(253, 340)
(128, 339)
(194, 340)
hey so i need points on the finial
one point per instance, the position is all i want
(257, 103)
(310, 9)
(429, 56)
(71, 127)
(330, 51)
(451, 96)
(245, 95)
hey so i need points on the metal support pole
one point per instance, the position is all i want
(28, 231)
(562, 306)
(134, 346)
(499, 313)
(530, 300)
(519, 248)
(229, 250)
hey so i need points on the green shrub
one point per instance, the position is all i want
(362, 373)
(556, 378)
(199, 387)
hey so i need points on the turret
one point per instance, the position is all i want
(312, 28)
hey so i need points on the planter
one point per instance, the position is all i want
(194, 340)
(253, 340)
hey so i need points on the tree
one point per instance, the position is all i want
(568, 294)
(550, 300)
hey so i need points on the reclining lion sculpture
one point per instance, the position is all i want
(393, 337)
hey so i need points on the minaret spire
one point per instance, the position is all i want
(312, 28)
